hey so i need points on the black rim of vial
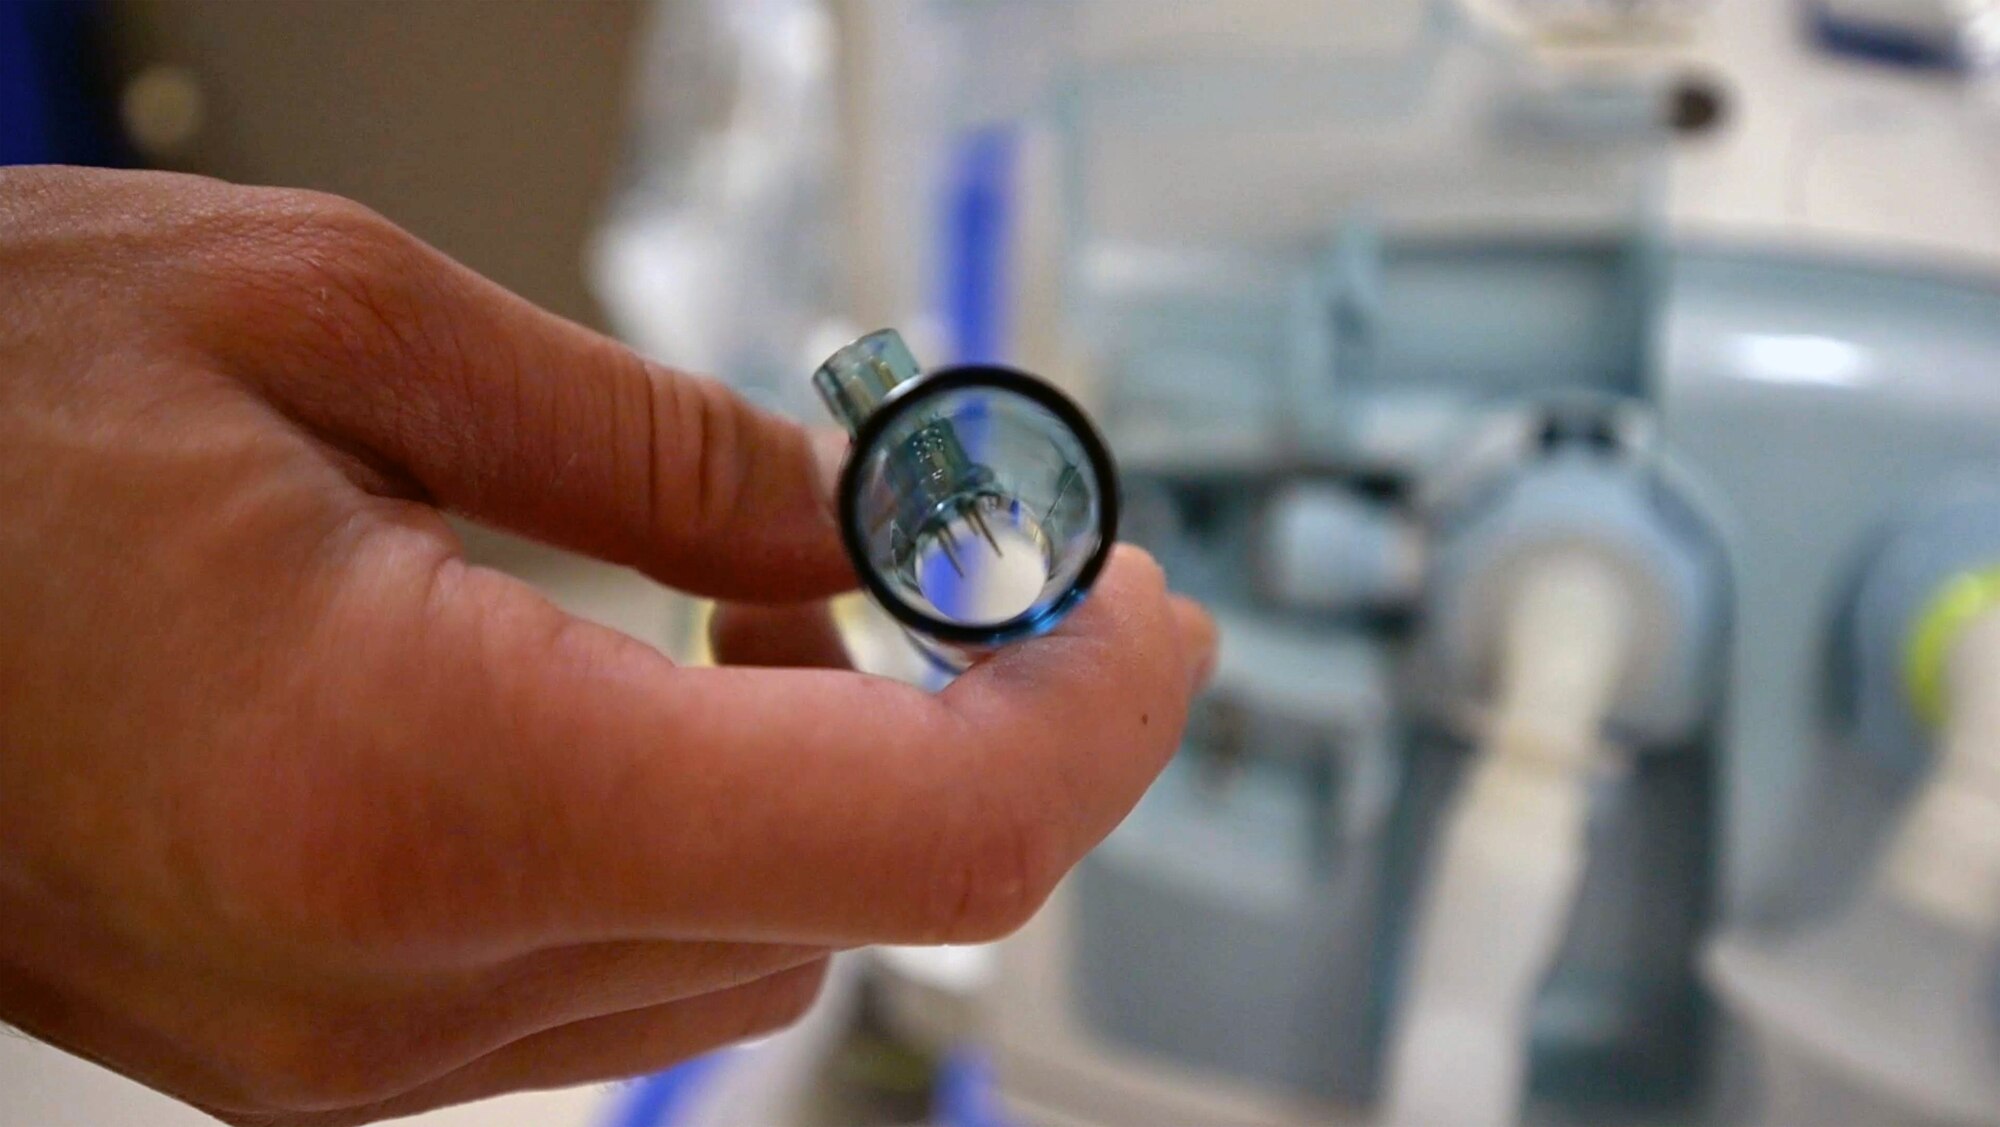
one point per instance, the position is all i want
(908, 396)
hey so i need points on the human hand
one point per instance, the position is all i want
(308, 821)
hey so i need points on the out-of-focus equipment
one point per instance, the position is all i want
(1888, 1010)
(1583, 417)
(1567, 609)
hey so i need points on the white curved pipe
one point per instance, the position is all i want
(1945, 858)
(1884, 1014)
(1511, 853)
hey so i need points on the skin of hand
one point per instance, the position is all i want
(306, 820)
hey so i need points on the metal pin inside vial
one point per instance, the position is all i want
(978, 503)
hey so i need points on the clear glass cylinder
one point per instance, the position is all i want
(978, 503)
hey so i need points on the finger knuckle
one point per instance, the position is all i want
(328, 226)
(785, 998)
(701, 440)
(1006, 862)
(293, 1063)
(347, 281)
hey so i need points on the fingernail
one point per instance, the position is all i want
(829, 448)
(1204, 667)
(1206, 649)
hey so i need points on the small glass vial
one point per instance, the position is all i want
(978, 503)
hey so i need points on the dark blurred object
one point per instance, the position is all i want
(55, 104)
(490, 128)
(1697, 105)
(1929, 36)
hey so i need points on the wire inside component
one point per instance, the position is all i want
(982, 562)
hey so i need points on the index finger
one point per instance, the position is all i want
(443, 385)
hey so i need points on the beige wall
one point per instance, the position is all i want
(489, 127)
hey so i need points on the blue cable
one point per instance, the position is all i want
(978, 216)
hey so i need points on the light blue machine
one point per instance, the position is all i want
(1254, 916)
(1807, 408)
(1305, 409)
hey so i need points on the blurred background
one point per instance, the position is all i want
(1584, 416)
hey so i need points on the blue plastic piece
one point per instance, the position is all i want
(51, 111)
(24, 89)
(660, 1099)
(978, 220)
(1881, 42)
(964, 1095)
